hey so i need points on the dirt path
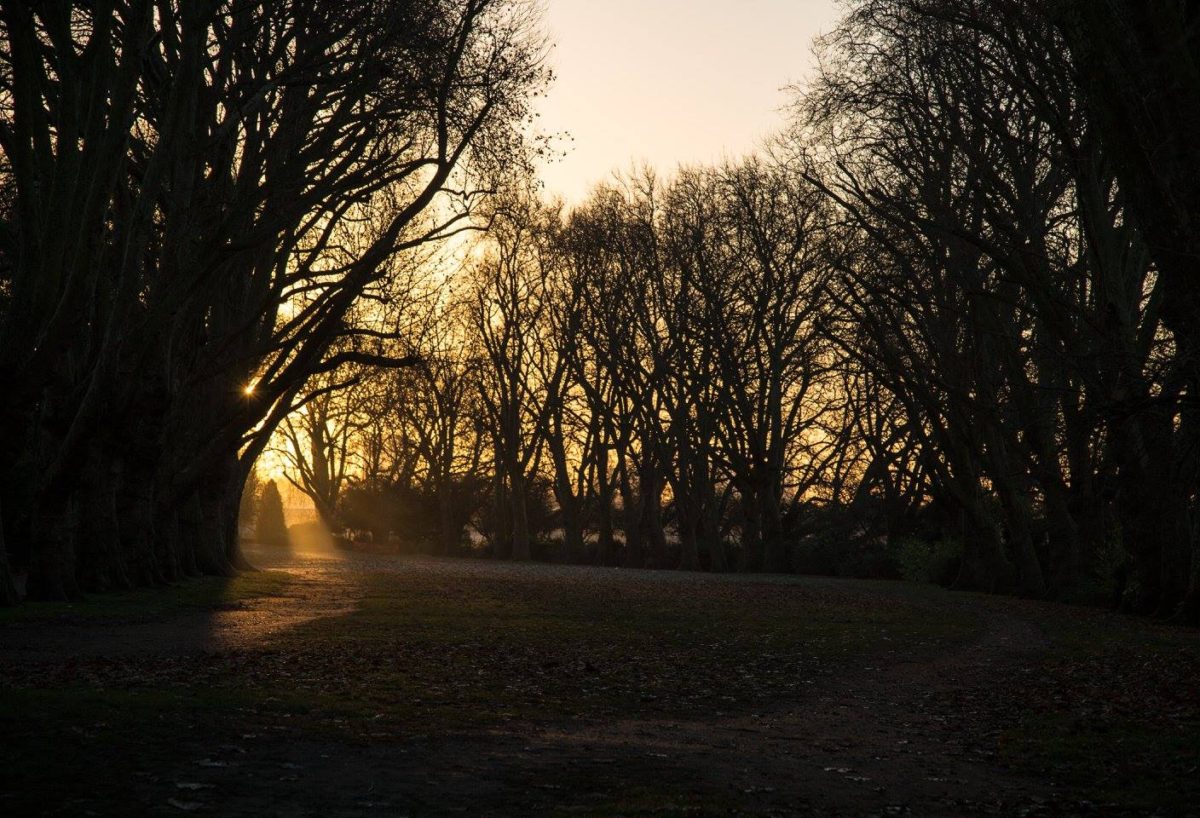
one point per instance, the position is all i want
(904, 731)
(876, 741)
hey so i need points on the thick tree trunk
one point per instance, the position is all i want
(750, 556)
(709, 531)
(984, 566)
(1068, 562)
(502, 535)
(1175, 556)
(521, 550)
(652, 524)
(568, 503)
(688, 524)
(135, 511)
(52, 568)
(574, 551)
(448, 537)
(168, 547)
(1189, 610)
(101, 561)
(213, 546)
(631, 523)
(775, 552)
(8, 588)
(605, 542)
(1020, 530)
(1149, 514)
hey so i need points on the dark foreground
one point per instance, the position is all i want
(377, 686)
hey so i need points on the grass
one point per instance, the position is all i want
(187, 596)
(1113, 762)
(427, 652)
(1113, 713)
(418, 655)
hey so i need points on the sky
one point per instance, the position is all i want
(665, 82)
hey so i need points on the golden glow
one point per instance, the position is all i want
(248, 389)
(685, 81)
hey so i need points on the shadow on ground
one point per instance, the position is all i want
(332, 684)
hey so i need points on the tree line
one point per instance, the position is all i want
(938, 320)
(943, 325)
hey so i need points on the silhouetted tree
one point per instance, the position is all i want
(269, 525)
(236, 179)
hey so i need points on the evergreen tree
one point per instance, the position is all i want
(270, 528)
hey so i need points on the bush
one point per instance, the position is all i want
(413, 513)
(919, 560)
(817, 554)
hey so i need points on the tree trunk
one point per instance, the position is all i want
(984, 566)
(212, 546)
(52, 567)
(605, 543)
(568, 503)
(502, 535)
(1020, 530)
(686, 520)
(652, 524)
(1017, 514)
(8, 588)
(448, 537)
(1189, 610)
(775, 552)
(709, 529)
(520, 518)
(631, 523)
(750, 557)
(135, 511)
(573, 546)
(101, 560)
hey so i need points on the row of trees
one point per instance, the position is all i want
(955, 300)
(204, 205)
(1005, 287)
(652, 361)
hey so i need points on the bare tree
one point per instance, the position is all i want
(155, 276)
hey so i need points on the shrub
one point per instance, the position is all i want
(920, 560)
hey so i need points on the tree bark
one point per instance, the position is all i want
(518, 501)
(8, 588)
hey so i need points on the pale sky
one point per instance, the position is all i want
(670, 81)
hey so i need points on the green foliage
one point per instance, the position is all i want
(919, 560)
(417, 514)
(831, 552)
(816, 554)
(270, 528)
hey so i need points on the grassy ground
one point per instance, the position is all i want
(193, 595)
(1114, 711)
(425, 687)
